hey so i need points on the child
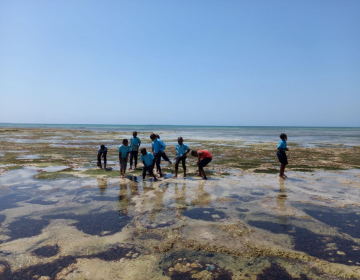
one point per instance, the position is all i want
(204, 158)
(124, 151)
(102, 153)
(182, 150)
(163, 155)
(158, 146)
(135, 144)
(282, 155)
(148, 160)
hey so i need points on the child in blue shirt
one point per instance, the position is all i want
(282, 147)
(163, 154)
(158, 147)
(148, 160)
(181, 150)
(102, 153)
(124, 151)
(135, 144)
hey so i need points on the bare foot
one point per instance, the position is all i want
(175, 176)
(184, 176)
(285, 176)
(122, 176)
(160, 175)
(282, 177)
(170, 162)
(130, 168)
(205, 178)
(199, 175)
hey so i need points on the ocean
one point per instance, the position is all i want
(304, 136)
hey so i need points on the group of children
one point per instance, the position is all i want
(149, 160)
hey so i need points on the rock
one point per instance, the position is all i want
(135, 255)
(188, 264)
(122, 260)
(44, 278)
(182, 268)
(194, 265)
(180, 259)
(203, 275)
(171, 269)
(340, 253)
(2, 268)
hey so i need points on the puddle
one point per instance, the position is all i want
(277, 272)
(205, 214)
(10, 201)
(96, 222)
(29, 157)
(25, 227)
(47, 251)
(326, 247)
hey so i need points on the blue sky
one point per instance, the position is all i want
(202, 62)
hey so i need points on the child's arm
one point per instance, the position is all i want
(199, 157)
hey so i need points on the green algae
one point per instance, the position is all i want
(14, 167)
(98, 172)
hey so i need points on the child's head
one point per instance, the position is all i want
(194, 153)
(125, 142)
(153, 136)
(143, 151)
(283, 136)
(180, 140)
(102, 147)
(157, 136)
(134, 134)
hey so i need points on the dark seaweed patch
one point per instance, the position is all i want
(10, 201)
(205, 214)
(247, 198)
(47, 251)
(160, 225)
(41, 202)
(26, 227)
(97, 223)
(54, 267)
(257, 193)
(348, 223)
(242, 209)
(187, 269)
(276, 272)
(330, 248)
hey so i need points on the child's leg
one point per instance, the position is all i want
(164, 156)
(136, 157)
(131, 159)
(184, 165)
(158, 161)
(203, 174)
(144, 172)
(99, 160)
(176, 167)
(105, 160)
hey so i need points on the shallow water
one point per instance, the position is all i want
(249, 226)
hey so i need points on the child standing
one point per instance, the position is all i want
(135, 144)
(158, 146)
(102, 153)
(182, 150)
(124, 151)
(163, 155)
(148, 160)
(204, 158)
(281, 154)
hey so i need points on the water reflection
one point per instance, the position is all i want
(202, 197)
(180, 194)
(280, 201)
(102, 184)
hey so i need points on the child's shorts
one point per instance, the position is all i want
(204, 162)
(123, 163)
(282, 157)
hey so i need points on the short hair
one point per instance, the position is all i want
(193, 153)
(125, 141)
(282, 136)
(102, 147)
(152, 135)
(134, 131)
(157, 135)
(142, 150)
(180, 138)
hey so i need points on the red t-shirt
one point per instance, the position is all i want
(205, 154)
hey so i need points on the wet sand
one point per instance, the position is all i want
(61, 218)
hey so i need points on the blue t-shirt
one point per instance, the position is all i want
(282, 145)
(100, 151)
(158, 145)
(148, 158)
(181, 150)
(124, 150)
(135, 142)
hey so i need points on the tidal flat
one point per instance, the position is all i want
(63, 218)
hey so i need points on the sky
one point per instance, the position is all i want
(188, 62)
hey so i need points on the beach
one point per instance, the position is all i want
(63, 218)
